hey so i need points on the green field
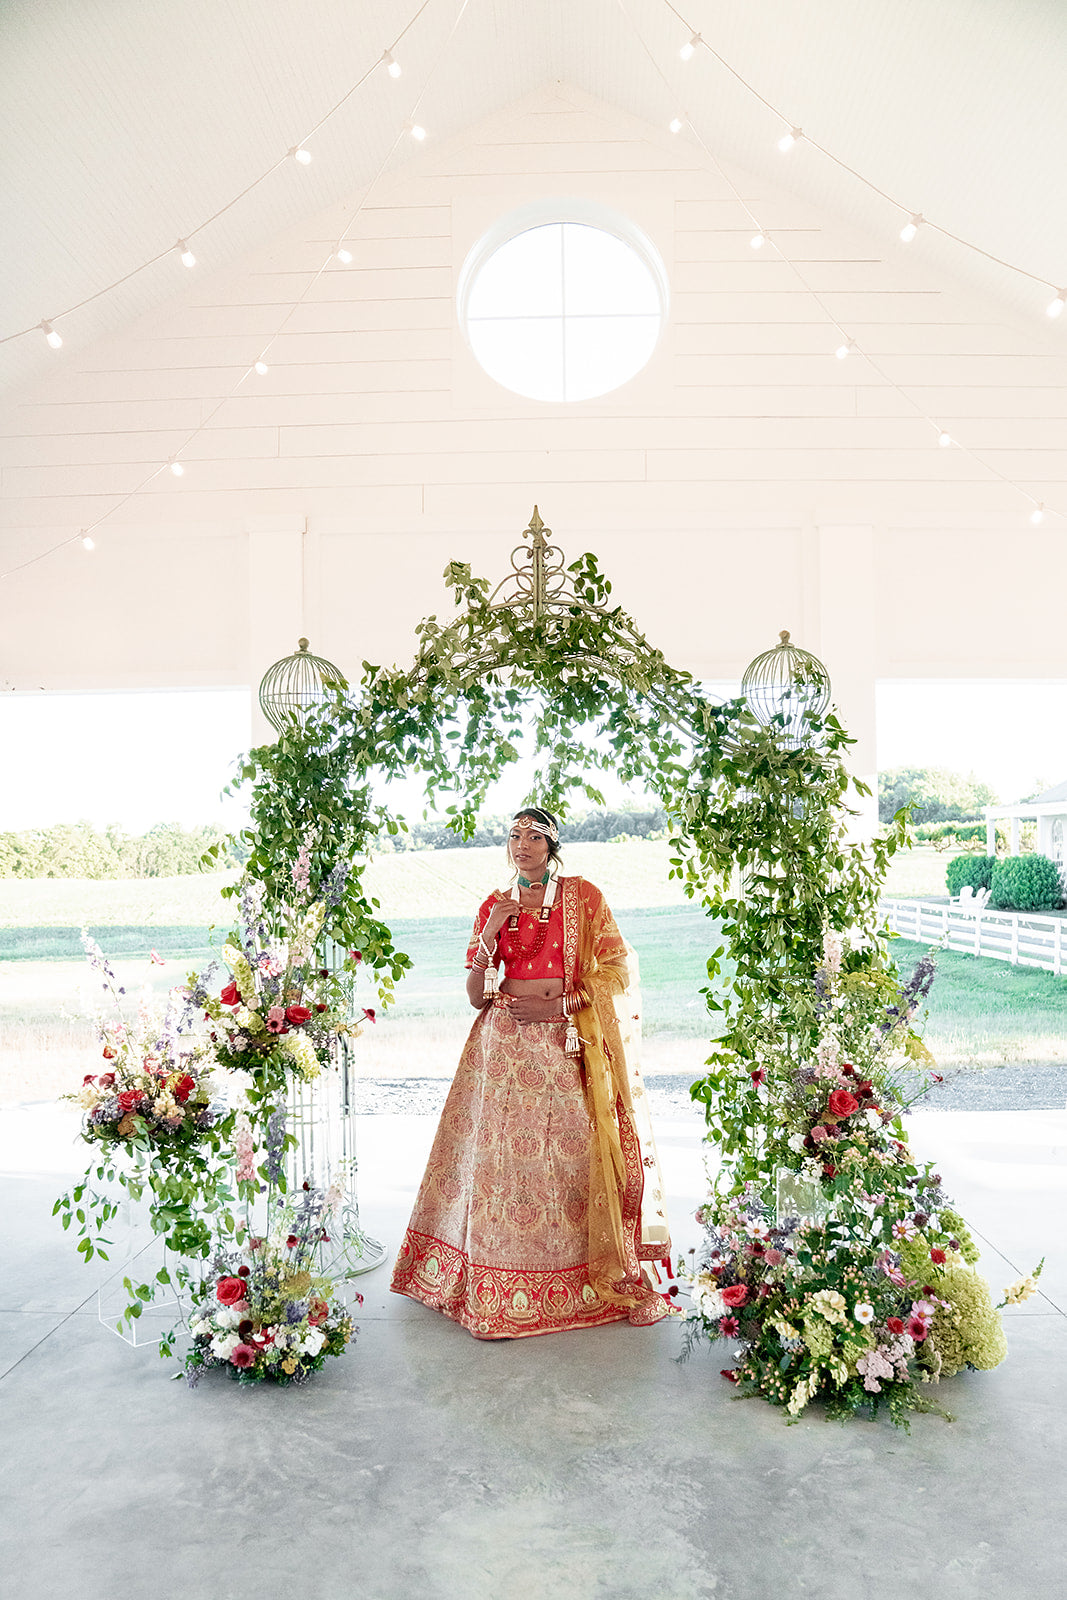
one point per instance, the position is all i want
(982, 1013)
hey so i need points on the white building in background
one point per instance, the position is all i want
(1048, 810)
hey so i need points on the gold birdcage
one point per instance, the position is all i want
(292, 687)
(787, 688)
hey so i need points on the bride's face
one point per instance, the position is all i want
(528, 851)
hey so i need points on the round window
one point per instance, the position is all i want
(563, 310)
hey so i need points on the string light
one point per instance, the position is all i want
(911, 227)
(188, 259)
(176, 467)
(1037, 514)
(1053, 309)
(262, 368)
(675, 124)
(688, 50)
(758, 240)
(344, 255)
(845, 349)
(298, 153)
(944, 439)
(391, 64)
(87, 542)
(788, 140)
(416, 130)
(54, 339)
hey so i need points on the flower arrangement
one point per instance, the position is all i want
(844, 1273)
(151, 1088)
(280, 1012)
(265, 1311)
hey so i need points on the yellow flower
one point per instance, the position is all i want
(1020, 1291)
(289, 1364)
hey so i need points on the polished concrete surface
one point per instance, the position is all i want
(426, 1464)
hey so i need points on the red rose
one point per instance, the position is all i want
(895, 1325)
(726, 1373)
(843, 1104)
(297, 1015)
(937, 1257)
(735, 1294)
(228, 1291)
(917, 1329)
(728, 1326)
(231, 995)
(318, 1311)
(243, 1355)
(183, 1088)
(130, 1098)
(109, 1054)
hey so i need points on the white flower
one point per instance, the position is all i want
(796, 1142)
(864, 1313)
(243, 1017)
(313, 1341)
(756, 1228)
(227, 1317)
(872, 1118)
(199, 1326)
(707, 1299)
(224, 1344)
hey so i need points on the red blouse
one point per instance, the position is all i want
(547, 963)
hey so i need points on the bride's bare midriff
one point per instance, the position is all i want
(543, 988)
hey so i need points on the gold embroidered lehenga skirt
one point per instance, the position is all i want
(499, 1237)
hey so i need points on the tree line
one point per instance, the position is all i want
(78, 850)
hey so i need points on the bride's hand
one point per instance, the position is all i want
(498, 916)
(532, 1007)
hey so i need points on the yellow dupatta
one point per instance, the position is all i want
(596, 960)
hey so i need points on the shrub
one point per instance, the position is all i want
(1026, 883)
(951, 835)
(974, 870)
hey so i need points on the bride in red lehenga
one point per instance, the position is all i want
(541, 1198)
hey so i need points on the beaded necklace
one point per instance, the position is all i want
(516, 949)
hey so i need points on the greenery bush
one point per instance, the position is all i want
(1026, 883)
(78, 850)
(933, 794)
(974, 870)
(951, 835)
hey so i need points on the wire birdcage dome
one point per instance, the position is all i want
(292, 687)
(789, 688)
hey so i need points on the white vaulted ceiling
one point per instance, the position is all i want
(125, 123)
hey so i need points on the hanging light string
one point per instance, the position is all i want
(84, 535)
(795, 132)
(849, 345)
(297, 151)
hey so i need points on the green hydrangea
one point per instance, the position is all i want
(970, 1333)
(957, 1229)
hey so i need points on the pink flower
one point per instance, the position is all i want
(917, 1329)
(818, 1132)
(243, 1355)
(276, 1019)
(728, 1326)
(774, 1258)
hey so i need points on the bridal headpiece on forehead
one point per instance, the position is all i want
(535, 825)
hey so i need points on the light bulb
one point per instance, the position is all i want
(845, 349)
(344, 255)
(757, 241)
(87, 543)
(54, 339)
(188, 259)
(262, 368)
(416, 130)
(298, 153)
(911, 227)
(944, 439)
(788, 140)
(1053, 309)
(1037, 515)
(688, 50)
(177, 468)
(391, 64)
(675, 124)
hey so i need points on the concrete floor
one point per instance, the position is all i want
(426, 1464)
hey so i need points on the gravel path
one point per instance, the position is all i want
(1018, 1088)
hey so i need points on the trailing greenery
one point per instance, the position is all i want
(1026, 883)
(78, 850)
(977, 871)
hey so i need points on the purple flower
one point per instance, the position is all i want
(275, 1144)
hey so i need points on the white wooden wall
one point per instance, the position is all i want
(744, 482)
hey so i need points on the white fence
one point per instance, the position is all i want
(1021, 938)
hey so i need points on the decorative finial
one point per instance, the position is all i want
(783, 634)
(536, 525)
(301, 644)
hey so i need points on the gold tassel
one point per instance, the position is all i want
(489, 987)
(572, 1044)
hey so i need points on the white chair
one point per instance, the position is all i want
(965, 898)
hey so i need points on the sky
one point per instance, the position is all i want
(138, 759)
